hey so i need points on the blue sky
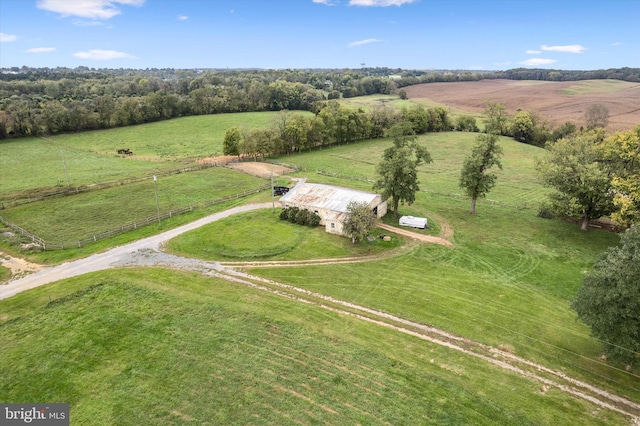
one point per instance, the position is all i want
(408, 34)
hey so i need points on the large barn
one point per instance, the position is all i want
(330, 202)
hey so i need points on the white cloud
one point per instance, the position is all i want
(182, 17)
(571, 48)
(102, 55)
(379, 3)
(327, 2)
(41, 50)
(533, 52)
(617, 43)
(79, 23)
(5, 38)
(92, 9)
(361, 42)
(534, 62)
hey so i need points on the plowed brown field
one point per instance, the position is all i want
(557, 102)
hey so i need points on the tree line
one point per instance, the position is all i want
(35, 101)
(333, 124)
(411, 77)
(38, 102)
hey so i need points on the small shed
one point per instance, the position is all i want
(330, 202)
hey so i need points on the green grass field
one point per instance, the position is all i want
(91, 157)
(159, 347)
(236, 238)
(507, 283)
(80, 216)
(517, 182)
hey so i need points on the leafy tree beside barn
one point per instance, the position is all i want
(398, 170)
(360, 222)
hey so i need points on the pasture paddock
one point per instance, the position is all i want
(91, 157)
(81, 216)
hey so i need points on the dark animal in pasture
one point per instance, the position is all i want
(126, 151)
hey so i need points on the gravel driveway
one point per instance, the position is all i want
(122, 255)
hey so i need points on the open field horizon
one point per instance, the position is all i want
(557, 102)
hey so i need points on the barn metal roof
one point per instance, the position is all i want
(326, 197)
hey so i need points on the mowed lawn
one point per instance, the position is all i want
(75, 217)
(159, 347)
(261, 235)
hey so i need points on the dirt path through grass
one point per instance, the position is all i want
(147, 253)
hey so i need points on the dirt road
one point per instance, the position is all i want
(417, 236)
(117, 255)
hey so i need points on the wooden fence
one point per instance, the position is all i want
(34, 238)
(101, 185)
(48, 245)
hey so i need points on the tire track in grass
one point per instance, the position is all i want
(497, 357)
(502, 359)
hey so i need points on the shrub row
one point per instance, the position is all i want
(300, 216)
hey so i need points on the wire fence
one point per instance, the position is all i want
(49, 245)
(13, 202)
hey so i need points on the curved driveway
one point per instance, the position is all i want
(135, 252)
(113, 257)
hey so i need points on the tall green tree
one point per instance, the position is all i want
(296, 132)
(582, 181)
(475, 178)
(231, 142)
(522, 127)
(496, 118)
(609, 300)
(622, 152)
(397, 173)
(360, 222)
(466, 123)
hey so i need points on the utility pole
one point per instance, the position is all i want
(155, 186)
(273, 202)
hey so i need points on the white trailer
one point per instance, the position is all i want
(414, 222)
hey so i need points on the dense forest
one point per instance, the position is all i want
(36, 101)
